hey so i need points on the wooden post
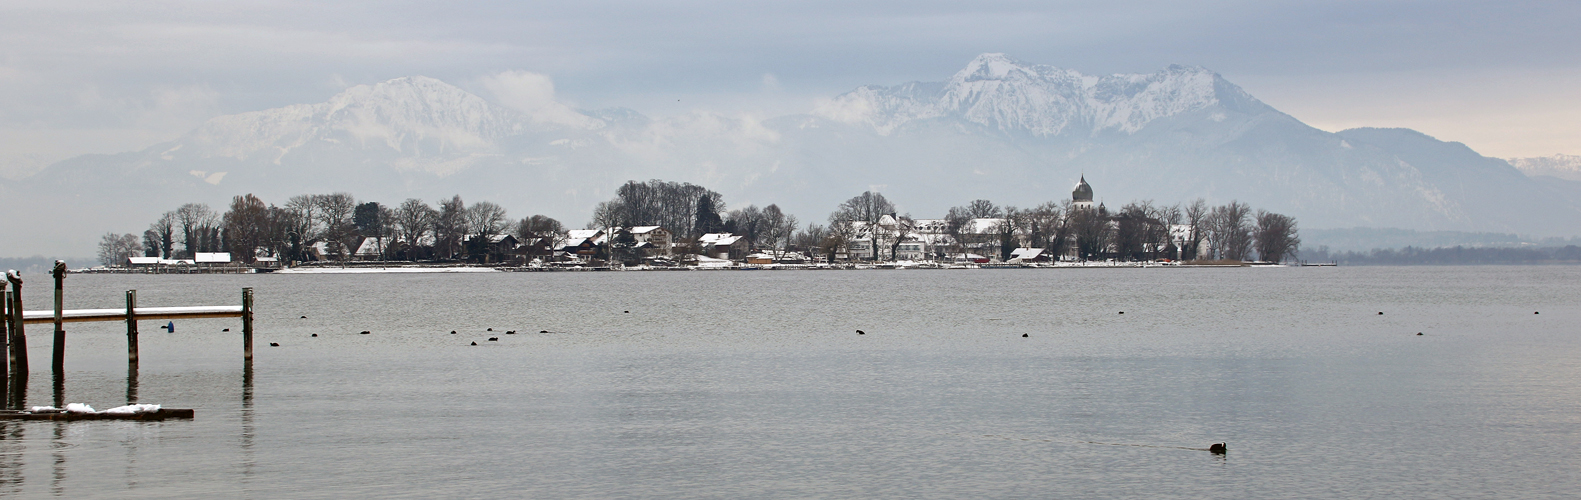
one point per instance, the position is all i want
(18, 327)
(247, 323)
(59, 364)
(5, 334)
(131, 327)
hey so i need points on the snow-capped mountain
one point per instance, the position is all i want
(1003, 94)
(1000, 129)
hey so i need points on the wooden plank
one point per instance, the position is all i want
(142, 313)
(161, 414)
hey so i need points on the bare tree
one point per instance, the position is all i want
(810, 240)
(538, 231)
(335, 214)
(164, 233)
(450, 226)
(866, 208)
(1276, 236)
(608, 215)
(983, 209)
(301, 223)
(749, 222)
(414, 219)
(1196, 217)
(670, 205)
(115, 249)
(195, 220)
(1232, 238)
(247, 225)
(1092, 232)
(778, 228)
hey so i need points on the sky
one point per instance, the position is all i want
(82, 77)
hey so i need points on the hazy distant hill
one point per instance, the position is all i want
(1001, 129)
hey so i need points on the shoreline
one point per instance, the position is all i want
(467, 269)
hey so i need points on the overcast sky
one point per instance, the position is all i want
(104, 77)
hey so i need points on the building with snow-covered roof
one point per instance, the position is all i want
(722, 246)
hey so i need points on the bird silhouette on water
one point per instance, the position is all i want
(474, 343)
(494, 339)
(1218, 448)
(364, 332)
(859, 332)
(274, 344)
(1023, 335)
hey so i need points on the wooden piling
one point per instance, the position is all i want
(59, 361)
(247, 323)
(131, 327)
(5, 342)
(18, 327)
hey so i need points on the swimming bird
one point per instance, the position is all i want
(274, 344)
(1023, 335)
(1122, 312)
(1218, 448)
(315, 335)
(543, 331)
(365, 332)
(452, 332)
(1535, 312)
(226, 330)
(491, 329)
(1418, 333)
(304, 317)
(628, 312)
(474, 343)
(859, 332)
(1380, 313)
(510, 332)
(494, 339)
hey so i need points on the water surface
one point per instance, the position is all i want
(755, 384)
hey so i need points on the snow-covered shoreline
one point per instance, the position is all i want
(372, 270)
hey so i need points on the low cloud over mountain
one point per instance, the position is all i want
(1000, 129)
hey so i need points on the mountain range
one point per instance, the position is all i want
(1001, 129)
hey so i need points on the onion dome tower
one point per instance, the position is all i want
(1082, 195)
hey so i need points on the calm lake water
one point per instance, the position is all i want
(756, 385)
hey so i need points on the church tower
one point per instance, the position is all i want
(1081, 197)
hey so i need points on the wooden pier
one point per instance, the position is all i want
(14, 319)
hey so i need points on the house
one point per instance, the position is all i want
(722, 246)
(583, 243)
(492, 249)
(212, 257)
(1030, 255)
(658, 240)
(375, 248)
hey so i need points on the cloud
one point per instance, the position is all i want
(533, 95)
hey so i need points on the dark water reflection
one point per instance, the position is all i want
(743, 384)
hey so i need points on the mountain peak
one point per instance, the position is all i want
(1000, 92)
(991, 66)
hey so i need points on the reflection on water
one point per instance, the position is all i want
(754, 385)
(131, 383)
(248, 430)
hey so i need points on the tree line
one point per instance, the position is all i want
(336, 222)
(332, 226)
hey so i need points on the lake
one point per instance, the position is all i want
(966, 383)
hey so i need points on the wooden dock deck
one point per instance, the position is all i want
(160, 414)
